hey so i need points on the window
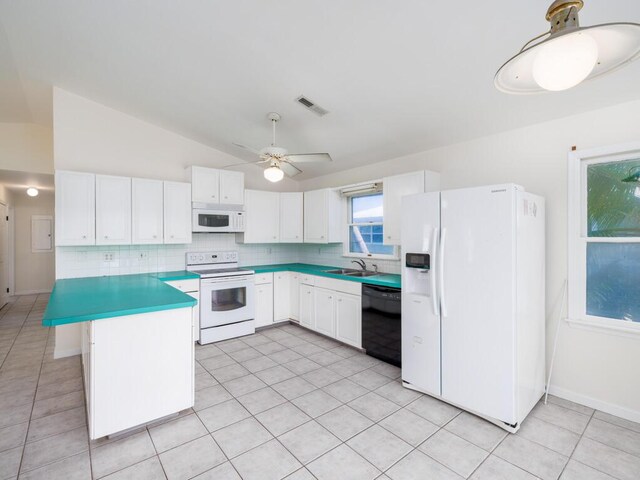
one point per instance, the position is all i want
(365, 227)
(604, 238)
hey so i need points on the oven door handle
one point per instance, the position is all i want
(237, 279)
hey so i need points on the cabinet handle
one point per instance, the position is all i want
(330, 297)
(339, 299)
(84, 236)
(106, 236)
(155, 236)
(321, 236)
(388, 236)
(225, 197)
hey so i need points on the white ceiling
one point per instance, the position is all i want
(397, 77)
(18, 182)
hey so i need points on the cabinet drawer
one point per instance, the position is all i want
(345, 286)
(189, 285)
(263, 278)
(308, 279)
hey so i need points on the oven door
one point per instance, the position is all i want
(226, 300)
(212, 221)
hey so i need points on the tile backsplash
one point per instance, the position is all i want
(90, 261)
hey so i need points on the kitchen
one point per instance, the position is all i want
(162, 235)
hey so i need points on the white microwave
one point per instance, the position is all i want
(211, 220)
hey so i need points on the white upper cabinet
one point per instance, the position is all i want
(177, 212)
(75, 216)
(211, 185)
(146, 211)
(291, 217)
(113, 210)
(322, 216)
(205, 184)
(394, 189)
(262, 217)
(231, 187)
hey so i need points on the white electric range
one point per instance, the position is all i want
(226, 296)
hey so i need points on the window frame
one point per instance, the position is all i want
(578, 161)
(349, 223)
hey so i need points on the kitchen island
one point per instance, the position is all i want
(137, 346)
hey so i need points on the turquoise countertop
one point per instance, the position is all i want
(384, 279)
(76, 300)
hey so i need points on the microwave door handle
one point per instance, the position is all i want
(434, 295)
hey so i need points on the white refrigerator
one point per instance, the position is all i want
(473, 299)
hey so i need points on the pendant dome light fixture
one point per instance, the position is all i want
(570, 54)
(274, 173)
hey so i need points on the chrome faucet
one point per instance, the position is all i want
(375, 267)
(361, 263)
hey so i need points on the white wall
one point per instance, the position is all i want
(34, 272)
(593, 368)
(26, 147)
(91, 137)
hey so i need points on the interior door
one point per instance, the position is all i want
(478, 299)
(4, 254)
(420, 306)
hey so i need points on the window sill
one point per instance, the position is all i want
(611, 327)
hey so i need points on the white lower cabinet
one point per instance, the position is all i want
(264, 300)
(307, 308)
(348, 320)
(191, 287)
(281, 296)
(325, 311)
(294, 295)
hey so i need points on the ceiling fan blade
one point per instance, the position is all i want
(243, 163)
(252, 150)
(290, 170)
(309, 157)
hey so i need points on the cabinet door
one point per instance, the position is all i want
(264, 304)
(146, 211)
(206, 185)
(395, 188)
(294, 300)
(307, 310)
(113, 210)
(196, 316)
(291, 217)
(325, 311)
(231, 187)
(281, 296)
(75, 208)
(177, 212)
(315, 216)
(262, 217)
(349, 319)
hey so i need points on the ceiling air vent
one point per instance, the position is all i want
(302, 100)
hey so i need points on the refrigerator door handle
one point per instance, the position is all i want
(443, 304)
(434, 292)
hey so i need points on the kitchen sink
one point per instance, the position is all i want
(363, 273)
(351, 272)
(342, 271)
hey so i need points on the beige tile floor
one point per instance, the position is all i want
(286, 403)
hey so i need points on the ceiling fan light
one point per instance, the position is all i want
(566, 61)
(32, 192)
(273, 174)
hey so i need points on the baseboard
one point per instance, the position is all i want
(606, 407)
(69, 352)
(31, 292)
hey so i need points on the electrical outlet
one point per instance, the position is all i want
(108, 256)
(143, 256)
(268, 251)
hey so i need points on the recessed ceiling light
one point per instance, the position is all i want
(570, 54)
(32, 192)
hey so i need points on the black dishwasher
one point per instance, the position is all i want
(381, 328)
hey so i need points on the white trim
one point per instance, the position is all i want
(601, 405)
(32, 292)
(577, 241)
(69, 352)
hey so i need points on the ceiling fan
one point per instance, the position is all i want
(279, 161)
